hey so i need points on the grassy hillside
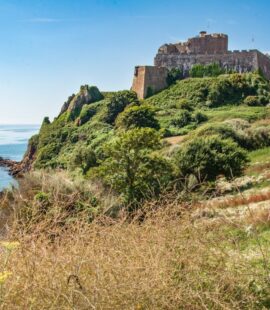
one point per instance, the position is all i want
(180, 109)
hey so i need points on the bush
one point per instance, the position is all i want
(252, 101)
(185, 104)
(174, 75)
(118, 103)
(208, 157)
(182, 119)
(137, 116)
(210, 70)
(131, 167)
(87, 112)
(199, 117)
(83, 157)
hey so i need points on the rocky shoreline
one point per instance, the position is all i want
(14, 168)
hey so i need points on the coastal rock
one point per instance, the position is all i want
(87, 94)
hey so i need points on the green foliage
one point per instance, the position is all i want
(137, 116)
(211, 70)
(182, 119)
(178, 110)
(87, 112)
(185, 104)
(212, 92)
(208, 157)
(254, 101)
(246, 135)
(83, 157)
(117, 104)
(199, 117)
(174, 75)
(132, 168)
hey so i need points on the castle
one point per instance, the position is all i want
(203, 49)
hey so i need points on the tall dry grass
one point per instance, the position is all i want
(166, 261)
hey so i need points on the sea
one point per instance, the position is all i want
(13, 145)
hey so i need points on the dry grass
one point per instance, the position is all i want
(160, 264)
(175, 139)
(237, 200)
(163, 262)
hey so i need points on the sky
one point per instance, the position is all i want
(49, 48)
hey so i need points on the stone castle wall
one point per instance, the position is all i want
(204, 49)
(240, 61)
(149, 79)
(264, 64)
(216, 43)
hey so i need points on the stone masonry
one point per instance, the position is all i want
(203, 49)
(149, 80)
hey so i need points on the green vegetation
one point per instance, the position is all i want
(95, 134)
(132, 168)
(137, 117)
(174, 75)
(207, 158)
(211, 70)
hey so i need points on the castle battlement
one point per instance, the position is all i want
(202, 49)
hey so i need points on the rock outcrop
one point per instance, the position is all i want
(87, 94)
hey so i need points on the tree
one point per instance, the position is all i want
(118, 103)
(84, 158)
(208, 157)
(137, 116)
(132, 168)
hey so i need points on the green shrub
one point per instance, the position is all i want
(252, 101)
(83, 157)
(132, 168)
(208, 157)
(117, 104)
(137, 116)
(182, 119)
(87, 112)
(199, 117)
(174, 75)
(185, 104)
(210, 70)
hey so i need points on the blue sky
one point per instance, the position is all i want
(49, 48)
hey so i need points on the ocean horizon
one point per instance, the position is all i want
(13, 144)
